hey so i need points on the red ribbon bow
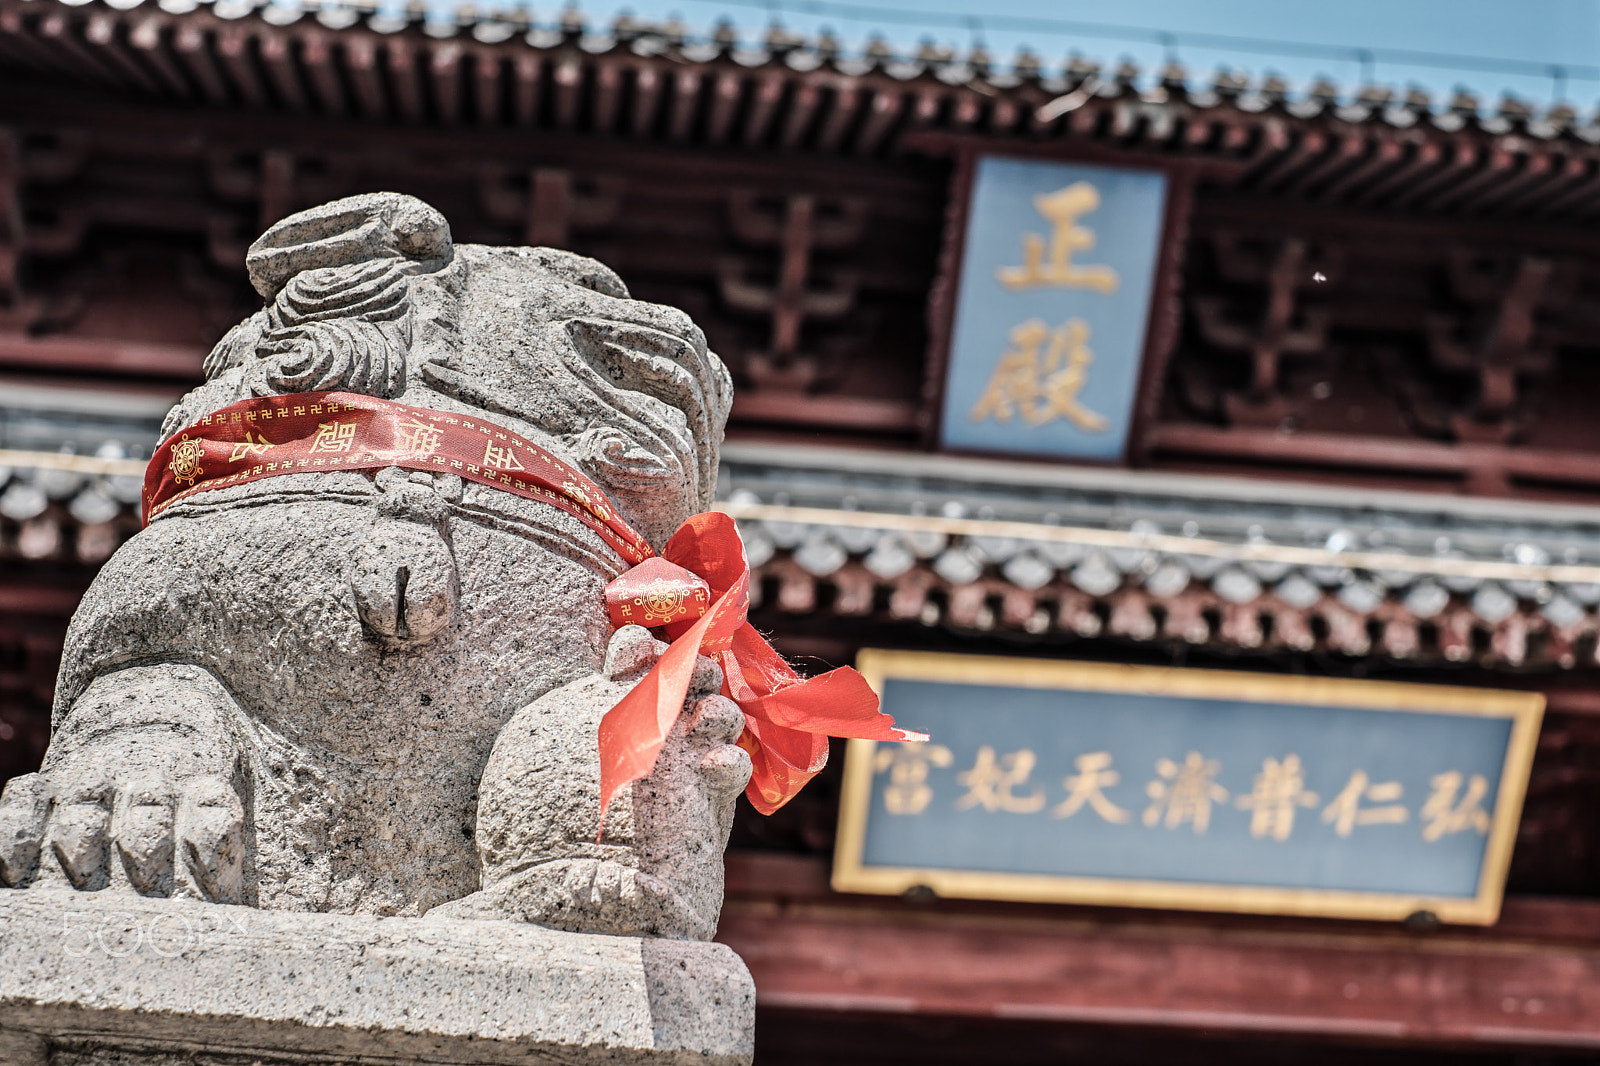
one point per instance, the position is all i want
(698, 592)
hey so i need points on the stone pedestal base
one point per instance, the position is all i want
(103, 979)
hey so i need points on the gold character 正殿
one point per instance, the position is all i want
(1062, 209)
(1041, 388)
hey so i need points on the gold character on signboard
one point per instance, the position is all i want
(1062, 209)
(1087, 787)
(1043, 388)
(990, 782)
(1184, 792)
(1346, 812)
(1442, 815)
(1280, 789)
(908, 791)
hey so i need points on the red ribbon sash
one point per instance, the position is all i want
(311, 432)
(696, 594)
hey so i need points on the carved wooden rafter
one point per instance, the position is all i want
(11, 235)
(277, 181)
(54, 162)
(56, 267)
(218, 186)
(551, 203)
(21, 237)
(796, 228)
(1283, 328)
(1498, 346)
(1454, 356)
(269, 181)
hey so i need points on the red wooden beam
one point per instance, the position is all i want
(39, 598)
(108, 355)
(1376, 453)
(787, 880)
(851, 412)
(1313, 980)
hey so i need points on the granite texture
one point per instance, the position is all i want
(376, 692)
(109, 979)
(657, 871)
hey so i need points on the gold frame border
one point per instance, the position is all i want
(1524, 709)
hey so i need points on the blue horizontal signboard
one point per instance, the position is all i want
(1108, 784)
(1058, 264)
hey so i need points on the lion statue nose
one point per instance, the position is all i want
(404, 573)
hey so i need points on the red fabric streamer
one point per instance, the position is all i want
(696, 593)
(788, 719)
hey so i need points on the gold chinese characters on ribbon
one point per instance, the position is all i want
(272, 436)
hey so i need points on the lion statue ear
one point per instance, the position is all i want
(357, 229)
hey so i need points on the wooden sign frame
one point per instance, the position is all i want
(1524, 710)
(1164, 318)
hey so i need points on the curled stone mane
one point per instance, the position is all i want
(337, 280)
(370, 295)
(345, 327)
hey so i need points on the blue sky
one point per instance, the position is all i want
(1536, 32)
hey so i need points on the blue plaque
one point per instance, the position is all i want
(1057, 268)
(1143, 786)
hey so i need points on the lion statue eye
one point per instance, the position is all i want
(668, 382)
(621, 462)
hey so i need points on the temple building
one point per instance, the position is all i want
(1175, 399)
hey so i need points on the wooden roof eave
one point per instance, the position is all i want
(781, 98)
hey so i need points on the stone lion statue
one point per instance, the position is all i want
(376, 692)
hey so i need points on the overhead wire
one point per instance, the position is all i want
(1366, 56)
